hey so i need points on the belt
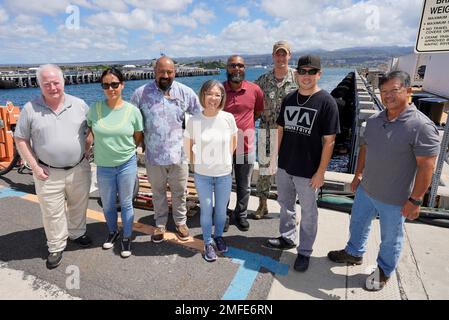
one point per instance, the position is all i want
(62, 168)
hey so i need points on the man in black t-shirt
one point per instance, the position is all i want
(307, 125)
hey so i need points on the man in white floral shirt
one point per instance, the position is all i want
(163, 103)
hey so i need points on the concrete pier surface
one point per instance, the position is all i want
(177, 271)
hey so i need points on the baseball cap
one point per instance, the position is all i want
(309, 61)
(281, 45)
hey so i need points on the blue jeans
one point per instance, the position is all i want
(364, 210)
(220, 189)
(121, 180)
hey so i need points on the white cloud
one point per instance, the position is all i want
(115, 46)
(197, 16)
(345, 24)
(137, 29)
(106, 38)
(236, 38)
(137, 19)
(190, 45)
(245, 30)
(240, 10)
(27, 19)
(184, 21)
(43, 7)
(160, 5)
(23, 27)
(111, 5)
(3, 16)
(292, 8)
(37, 7)
(203, 16)
(23, 31)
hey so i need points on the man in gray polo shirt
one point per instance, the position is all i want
(394, 170)
(51, 137)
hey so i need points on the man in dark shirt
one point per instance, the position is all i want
(307, 125)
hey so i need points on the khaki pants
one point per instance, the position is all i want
(176, 176)
(63, 199)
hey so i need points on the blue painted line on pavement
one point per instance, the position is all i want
(8, 192)
(250, 264)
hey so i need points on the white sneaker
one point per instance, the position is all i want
(126, 248)
(112, 237)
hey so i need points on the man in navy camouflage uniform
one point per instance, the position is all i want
(275, 84)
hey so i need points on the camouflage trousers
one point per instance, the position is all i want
(267, 137)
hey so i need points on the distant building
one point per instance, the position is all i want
(129, 66)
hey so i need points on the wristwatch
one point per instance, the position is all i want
(415, 202)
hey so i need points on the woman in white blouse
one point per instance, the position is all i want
(210, 141)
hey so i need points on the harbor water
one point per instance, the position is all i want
(92, 92)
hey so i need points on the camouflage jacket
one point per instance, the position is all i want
(274, 93)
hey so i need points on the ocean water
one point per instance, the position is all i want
(92, 92)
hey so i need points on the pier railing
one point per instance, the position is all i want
(29, 80)
(366, 104)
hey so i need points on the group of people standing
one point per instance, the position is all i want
(298, 125)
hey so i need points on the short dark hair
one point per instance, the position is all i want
(403, 76)
(114, 71)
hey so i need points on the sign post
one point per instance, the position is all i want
(433, 34)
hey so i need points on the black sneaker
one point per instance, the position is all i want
(126, 248)
(341, 256)
(226, 226)
(301, 263)
(84, 241)
(242, 223)
(54, 259)
(280, 243)
(112, 237)
(221, 244)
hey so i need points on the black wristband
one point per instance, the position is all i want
(415, 202)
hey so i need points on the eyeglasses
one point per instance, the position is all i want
(214, 95)
(311, 72)
(163, 72)
(236, 65)
(49, 84)
(393, 91)
(114, 85)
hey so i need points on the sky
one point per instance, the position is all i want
(109, 30)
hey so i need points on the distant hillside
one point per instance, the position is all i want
(209, 64)
(366, 56)
(356, 56)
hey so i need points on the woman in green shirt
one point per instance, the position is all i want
(117, 128)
